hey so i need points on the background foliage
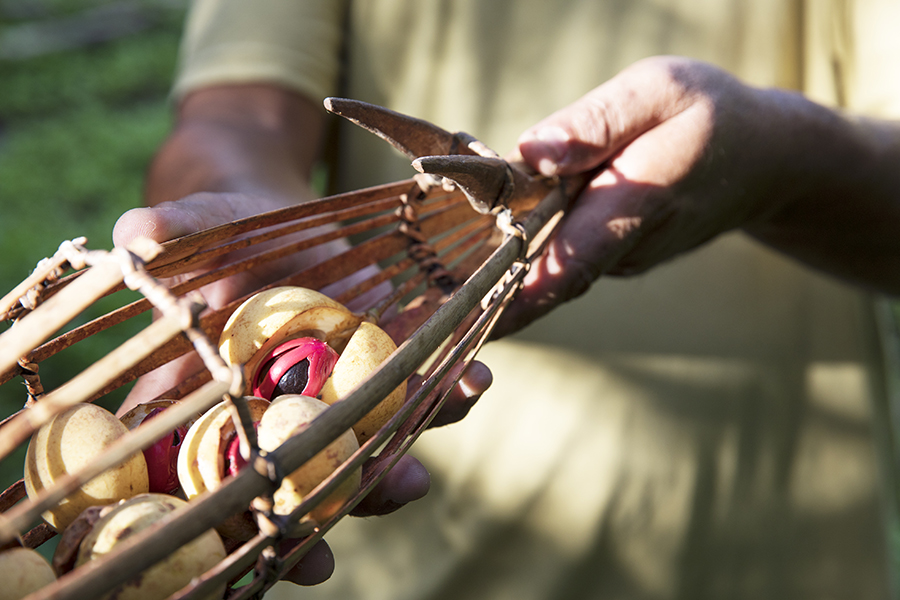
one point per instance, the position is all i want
(83, 106)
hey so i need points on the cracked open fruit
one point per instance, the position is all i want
(71, 441)
(293, 340)
(24, 571)
(209, 453)
(118, 523)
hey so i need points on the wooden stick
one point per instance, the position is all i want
(47, 318)
(185, 264)
(408, 428)
(44, 269)
(444, 215)
(139, 306)
(181, 247)
(88, 382)
(12, 495)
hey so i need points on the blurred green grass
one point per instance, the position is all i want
(83, 107)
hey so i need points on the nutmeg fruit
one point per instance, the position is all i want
(161, 580)
(210, 453)
(288, 415)
(260, 333)
(69, 442)
(24, 571)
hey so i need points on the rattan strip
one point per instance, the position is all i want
(316, 277)
(47, 270)
(267, 235)
(177, 249)
(138, 307)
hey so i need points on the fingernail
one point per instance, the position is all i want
(466, 389)
(547, 147)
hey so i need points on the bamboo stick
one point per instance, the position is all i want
(402, 429)
(139, 306)
(47, 318)
(434, 220)
(315, 277)
(12, 495)
(185, 246)
(183, 265)
(408, 428)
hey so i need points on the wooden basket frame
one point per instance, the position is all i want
(445, 327)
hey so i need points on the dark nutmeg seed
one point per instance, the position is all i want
(294, 379)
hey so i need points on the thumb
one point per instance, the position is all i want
(583, 135)
(169, 220)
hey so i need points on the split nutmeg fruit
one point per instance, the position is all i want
(302, 351)
(293, 340)
(162, 456)
(210, 453)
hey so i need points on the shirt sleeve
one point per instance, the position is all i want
(852, 55)
(295, 43)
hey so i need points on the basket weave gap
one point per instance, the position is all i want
(184, 246)
(198, 258)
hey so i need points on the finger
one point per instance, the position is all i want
(584, 134)
(162, 379)
(610, 218)
(315, 567)
(406, 481)
(641, 210)
(474, 382)
(193, 213)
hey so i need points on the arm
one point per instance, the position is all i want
(234, 151)
(254, 139)
(688, 152)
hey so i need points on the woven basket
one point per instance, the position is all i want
(454, 269)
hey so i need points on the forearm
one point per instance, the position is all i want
(259, 140)
(840, 206)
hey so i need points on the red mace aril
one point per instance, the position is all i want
(234, 462)
(162, 458)
(298, 366)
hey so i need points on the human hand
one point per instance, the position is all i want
(687, 152)
(408, 480)
(193, 213)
